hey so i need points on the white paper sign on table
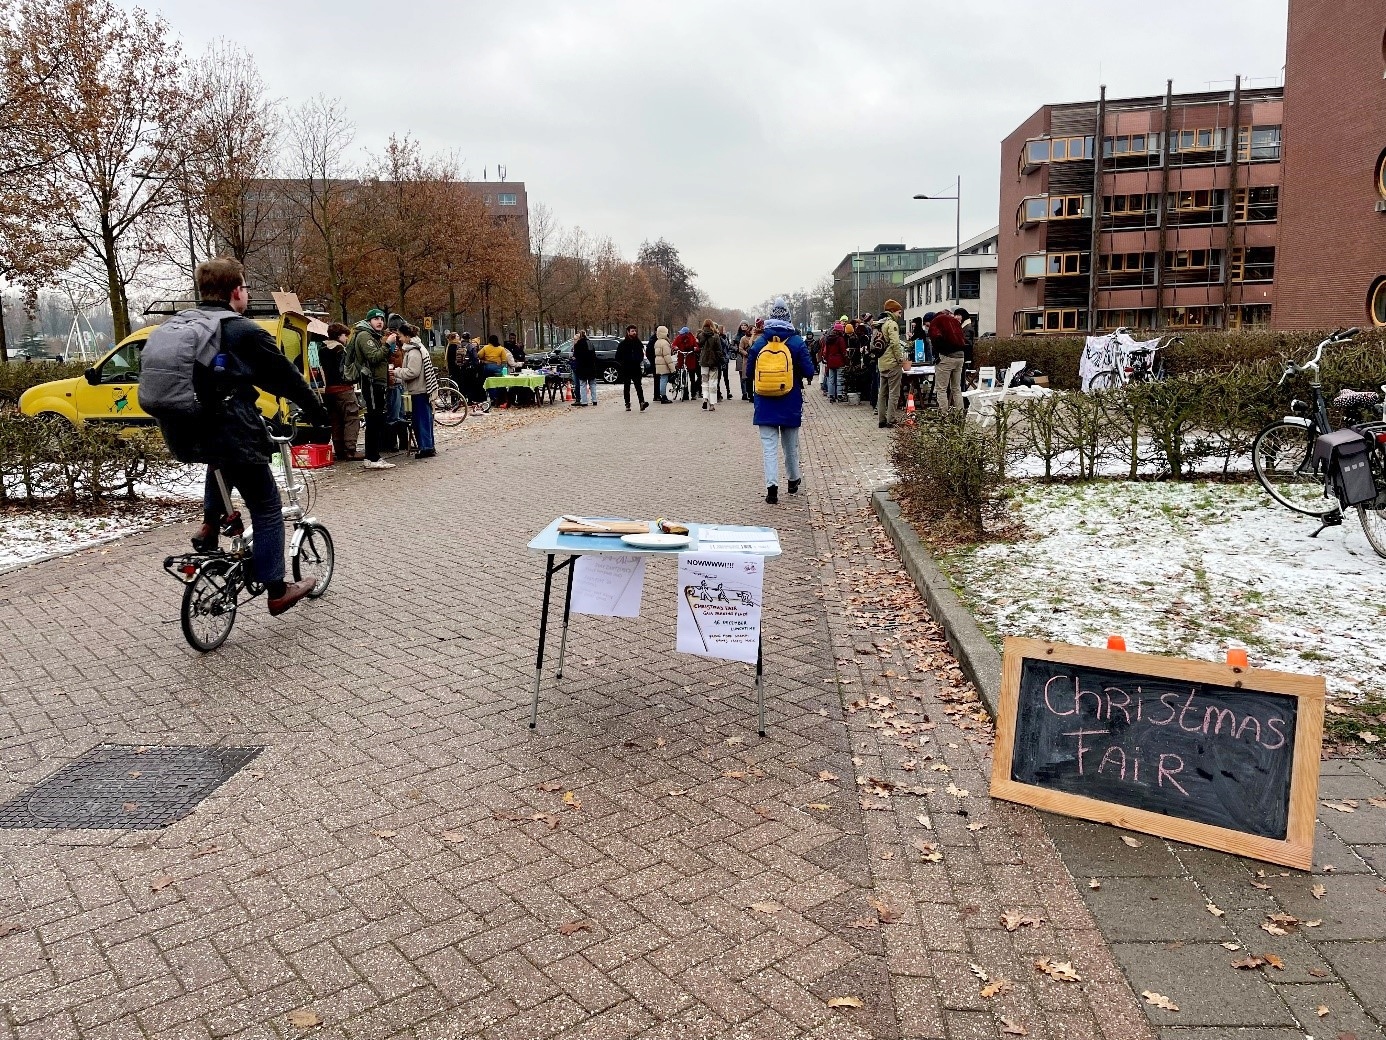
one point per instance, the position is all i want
(719, 605)
(608, 584)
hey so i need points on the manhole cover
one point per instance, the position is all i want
(126, 788)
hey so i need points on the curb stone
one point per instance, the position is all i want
(980, 660)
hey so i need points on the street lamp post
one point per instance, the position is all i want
(957, 247)
(856, 274)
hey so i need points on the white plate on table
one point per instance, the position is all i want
(656, 540)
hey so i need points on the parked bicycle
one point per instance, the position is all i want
(216, 582)
(1283, 456)
(1130, 362)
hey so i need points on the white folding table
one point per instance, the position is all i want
(551, 543)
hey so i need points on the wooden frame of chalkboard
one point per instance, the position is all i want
(1243, 778)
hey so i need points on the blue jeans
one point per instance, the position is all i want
(423, 421)
(256, 484)
(832, 382)
(661, 382)
(489, 369)
(394, 405)
(585, 391)
(771, 439)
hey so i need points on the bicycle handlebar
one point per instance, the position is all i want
(1339, 336)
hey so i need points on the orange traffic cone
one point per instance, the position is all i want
(909, 404)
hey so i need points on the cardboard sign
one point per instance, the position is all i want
(719, 605)
(608, 584)
(1204, 753)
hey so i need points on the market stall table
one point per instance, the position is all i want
(916, 379)
(532, 383)
(550, 542)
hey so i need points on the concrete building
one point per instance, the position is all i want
(1333, 220)
(1154, 212)
(932, 288)
(865, 279)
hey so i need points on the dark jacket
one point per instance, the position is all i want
(630, 356)
(372, 356)
(584, 359)
(331, 356)
(230, 428)
(709, 348)
(834, 349)
(946, 334)
(787, 410)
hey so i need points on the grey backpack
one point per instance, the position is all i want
(171, 353)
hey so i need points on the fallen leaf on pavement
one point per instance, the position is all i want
(975, 826)
(453, 837)
(850, 1002)
(824, 775)
(551, 785)
(766, 907)
(206, 850)
(1094, 884)
(1366, 736)
(865, 924)
(384, 834)
(884, 911)
(1013, 919)
(1318, 891)
(1312, 924)
(1318, 973)
(1380, 803)
(1273, 928)
(925, 822)
(818, 806)
(1263, 888)
(572, 801)
(131, 806)
(660, 742)
(1128, 840)
(1249, 962)
(996, 987)
(9, 928)
(1213, 909)
(678, 792)
(552, 819)
(1340, 806)
(1011, 1027)
(1159, 1000)
(1322, 1010)
(1061, 971)
(1230, 946)
(161, 882)
(304, 1019)
(1274, 961)
(980, 972)
(956, 791)
(573, 927)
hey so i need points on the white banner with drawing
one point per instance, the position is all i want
(608, 584)
(719, 605)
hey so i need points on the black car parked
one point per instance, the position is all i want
(605, 346)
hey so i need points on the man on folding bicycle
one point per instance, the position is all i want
(200, 372)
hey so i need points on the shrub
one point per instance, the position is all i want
(18, 376)
(950, 473)
(42, 460)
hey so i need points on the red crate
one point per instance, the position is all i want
(312, 456)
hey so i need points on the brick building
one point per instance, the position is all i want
(1154, 212)
(865, 279)
(1333, 224)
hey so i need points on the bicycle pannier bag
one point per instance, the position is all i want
(1346, 457)
(171, 353)
(774, 369)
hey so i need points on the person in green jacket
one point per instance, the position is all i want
(371, 356)
(891, 364)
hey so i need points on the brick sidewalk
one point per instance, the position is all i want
(401, 860)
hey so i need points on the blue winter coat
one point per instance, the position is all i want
(789, 409)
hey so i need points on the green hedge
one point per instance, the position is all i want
(18, 376)
(1361, 361)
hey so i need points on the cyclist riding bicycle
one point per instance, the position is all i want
(229, 434)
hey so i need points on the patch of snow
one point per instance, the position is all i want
(1189, 569)
(30, 537)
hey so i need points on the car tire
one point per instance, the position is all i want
(611, 374)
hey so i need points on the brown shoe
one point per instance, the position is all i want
(293, 592)
(205, 540)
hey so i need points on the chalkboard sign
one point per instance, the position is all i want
(1205, 753)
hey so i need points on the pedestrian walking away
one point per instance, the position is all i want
(784, 366)
(950, 344)
(663, 364)
(630, 360)
(584, 372)
(724, 366)
(709, 361)
(743, 350)
(890, 365)
(834, 348)
(227, 431)
(339, 392)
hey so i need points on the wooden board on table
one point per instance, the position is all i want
(1209, 754)
(604, 527)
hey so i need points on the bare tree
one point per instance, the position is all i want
(320, 186)
(113, 106)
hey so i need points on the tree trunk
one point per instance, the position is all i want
(4, 338)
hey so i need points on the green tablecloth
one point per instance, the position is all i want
(501, 382)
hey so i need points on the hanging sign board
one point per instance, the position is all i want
(608, 584)
(719, 605)
(1204, 753)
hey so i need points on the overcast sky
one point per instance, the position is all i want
(764, 139)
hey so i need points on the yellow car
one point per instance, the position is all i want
(108, 392)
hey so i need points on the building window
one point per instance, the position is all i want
(1066, 319)
(1249, 316)
(1192, 317)
(1058, 264)
(1381, 174)
(1376, 302)
(1192, 142)
(1030, 267)
(1258, 143)
(507, 198)
(970, 285)
(1055, 149)
(1255, 264)
(1184, 259)
(1257, 205)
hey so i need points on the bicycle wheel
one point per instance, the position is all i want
(209, 605)
(1374, 525)
(315, 558)
(449, 407)
(1104, 381)
(1282, 457)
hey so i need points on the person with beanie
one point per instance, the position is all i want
(890, 365)
(779, 417)
(834, 360)
(663, 364)
(367, 348)
(686, 357)
(950, 344)
(339, 394)
(411, 376)
(584, 372)
(709, 362)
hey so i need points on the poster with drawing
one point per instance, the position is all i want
(719, 605)
(608, 584)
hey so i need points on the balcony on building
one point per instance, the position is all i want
(1039, 151)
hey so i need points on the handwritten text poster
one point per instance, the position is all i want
(608, 584)
(719, 605)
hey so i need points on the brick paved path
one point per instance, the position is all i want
(400, 861)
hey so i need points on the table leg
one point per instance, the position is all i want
(543, 631)
(760, 685)
(567, 607)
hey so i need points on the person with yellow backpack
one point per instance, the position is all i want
(777, 366)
